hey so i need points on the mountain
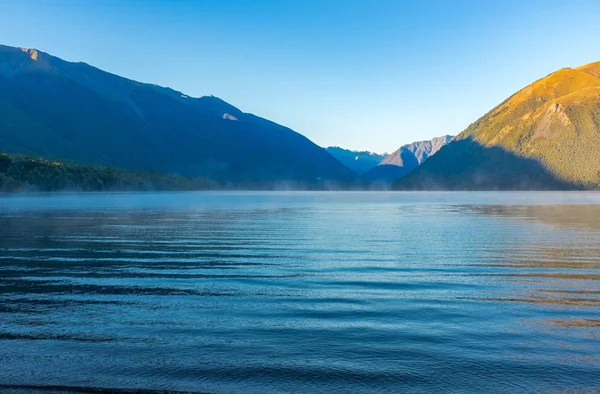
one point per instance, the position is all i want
(423, 149)
(404, 160)
(546, 136)
(73, 111)
(387, 172)
(359, 161)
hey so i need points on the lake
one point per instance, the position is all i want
(288, 292)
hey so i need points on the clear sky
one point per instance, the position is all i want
(370, 74)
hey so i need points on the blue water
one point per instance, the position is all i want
(301, 292)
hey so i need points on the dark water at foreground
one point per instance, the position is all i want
(301, 292)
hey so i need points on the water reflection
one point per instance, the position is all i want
(572, 216)
(301, 293)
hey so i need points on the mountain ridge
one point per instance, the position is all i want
(74, 111)
(405, 159)
(421, 149)
(552, 126)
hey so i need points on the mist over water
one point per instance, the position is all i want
(301, 292)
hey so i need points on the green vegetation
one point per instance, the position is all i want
(554, 123)
(24, 173)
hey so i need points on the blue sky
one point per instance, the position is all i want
(359, 74)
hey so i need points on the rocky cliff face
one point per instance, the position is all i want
(404, 160)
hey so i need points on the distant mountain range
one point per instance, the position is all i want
(404, 160)
(384, 169)
(359, 161)
(73, 111)
(546, 136)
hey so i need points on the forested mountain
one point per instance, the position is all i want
(73, 111)
(546, 136)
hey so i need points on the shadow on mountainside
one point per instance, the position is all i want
(388, 172)
(467, 165)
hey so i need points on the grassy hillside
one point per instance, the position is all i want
(25, 173)
(551, 127)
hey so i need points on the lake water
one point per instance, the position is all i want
(289, 292)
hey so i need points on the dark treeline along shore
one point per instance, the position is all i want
(71, 126)
(20, 173)
(35, 174)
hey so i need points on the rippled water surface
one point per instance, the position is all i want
(301, 292)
